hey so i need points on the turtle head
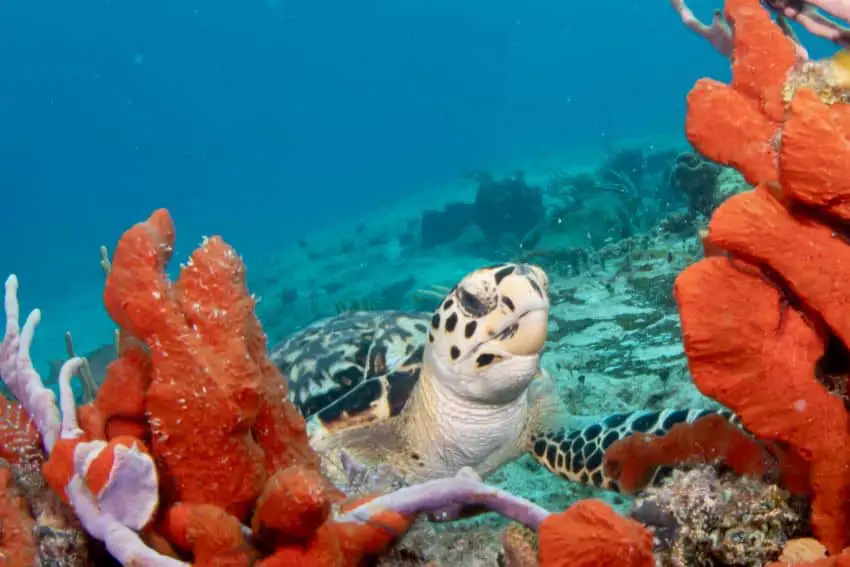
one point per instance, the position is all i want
(485, 338)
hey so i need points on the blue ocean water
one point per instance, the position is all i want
(268, 120)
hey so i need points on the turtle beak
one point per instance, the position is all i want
(530, 336)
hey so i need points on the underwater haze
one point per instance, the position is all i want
(266, 121)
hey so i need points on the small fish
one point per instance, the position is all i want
(98, 359)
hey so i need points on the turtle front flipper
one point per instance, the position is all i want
(577, 454)
(377, 447)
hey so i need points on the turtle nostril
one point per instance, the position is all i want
(523, 269)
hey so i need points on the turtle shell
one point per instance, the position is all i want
(355, 368)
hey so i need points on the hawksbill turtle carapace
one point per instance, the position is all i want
(430, 394)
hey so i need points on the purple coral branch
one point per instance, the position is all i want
(447, 495)
(70, 428)
(18, 373)
(123, 544)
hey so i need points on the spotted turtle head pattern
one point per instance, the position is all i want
(486, 337)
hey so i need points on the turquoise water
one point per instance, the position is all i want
(273, 123)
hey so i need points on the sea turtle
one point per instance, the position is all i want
(430, 394)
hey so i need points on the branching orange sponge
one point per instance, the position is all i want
(736, 124)
(210, 379)
(757, 320)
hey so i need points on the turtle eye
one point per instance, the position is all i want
(471, 304)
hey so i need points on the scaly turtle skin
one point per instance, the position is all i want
(356, 367)
(432, 393)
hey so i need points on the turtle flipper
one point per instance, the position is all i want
(370, 445)
(576, 454)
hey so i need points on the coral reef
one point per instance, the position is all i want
(510, 209)
(519, 545)
(190, 452)
(717, 520)
(801, 550)
(822, 77)
(508, 212)
(696, 178)
(637, 179)
(35, 525)
(447, 225)
(585, 214)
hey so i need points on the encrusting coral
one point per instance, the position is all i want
(718, 519)
(518, 545)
